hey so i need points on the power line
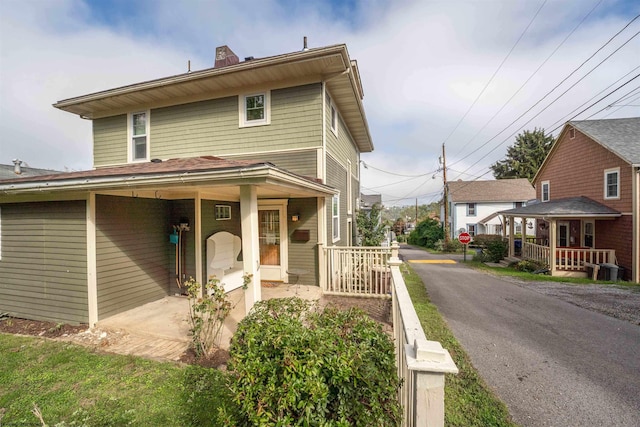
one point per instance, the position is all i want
(545, 108)
(528, 79)
(552, 90)
(369, 165)
(495, 72)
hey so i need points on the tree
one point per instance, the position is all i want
(427, 233)
(525, 157)
(370, 227)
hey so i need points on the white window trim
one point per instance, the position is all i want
(333, 113)
(130, 146)
(606, 174)
(543, 183)
(242, 110)
(335, 233)
(475, 229)
(225, 208)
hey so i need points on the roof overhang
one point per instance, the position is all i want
(224, 184)
(329, 64)
(568, 208)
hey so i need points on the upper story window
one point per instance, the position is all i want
(255, 109)
(138, 136)
(612, 183)
(518, 204)
(471, 209)
(545, 194)
(335, 217)
(334, 118)
(349, 189)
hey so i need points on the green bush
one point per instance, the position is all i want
(497, 250)
(427, 233)
(485, 239)
(452, 245)
(529, 265)
(296, 365)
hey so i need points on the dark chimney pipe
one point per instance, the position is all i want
(305, 48)
(17, 163)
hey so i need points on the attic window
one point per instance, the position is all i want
(572, 133)
(255, 109)
(545, 191)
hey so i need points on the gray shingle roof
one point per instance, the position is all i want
(500, 190)
(568, 207)
(6, 172)
(621, 136)
(368, 200)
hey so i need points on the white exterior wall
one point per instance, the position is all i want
(460, 219)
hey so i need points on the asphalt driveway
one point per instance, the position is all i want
(552, 362)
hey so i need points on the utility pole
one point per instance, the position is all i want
(446, 196)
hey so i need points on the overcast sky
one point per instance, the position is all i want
(425, 65)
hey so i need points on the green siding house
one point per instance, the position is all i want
(266, 149)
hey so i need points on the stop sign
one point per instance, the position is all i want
(464, 238)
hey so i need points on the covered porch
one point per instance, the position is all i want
(566, 236)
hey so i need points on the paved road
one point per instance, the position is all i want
(551, 362)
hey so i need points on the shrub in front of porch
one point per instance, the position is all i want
(294, 364)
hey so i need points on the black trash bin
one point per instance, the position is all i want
(608, 272)
(620, 273)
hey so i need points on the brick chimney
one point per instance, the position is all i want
(225, 57)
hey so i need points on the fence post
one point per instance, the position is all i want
(428, 362)
(394, 259)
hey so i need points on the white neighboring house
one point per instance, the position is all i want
(474, 205)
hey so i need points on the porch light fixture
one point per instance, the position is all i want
(295, 217)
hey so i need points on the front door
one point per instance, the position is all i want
(563, 234)
(271, 230)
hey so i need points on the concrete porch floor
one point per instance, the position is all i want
(160, 330)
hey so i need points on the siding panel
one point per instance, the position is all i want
(43, 270)
(132, 252)
(212, 127)
(110, 140)
(303, 255)
(303, 163)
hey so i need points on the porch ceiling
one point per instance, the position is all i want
(573, 207)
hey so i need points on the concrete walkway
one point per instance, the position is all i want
(160, 330)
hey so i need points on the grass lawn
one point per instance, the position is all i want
(501, 271)
(74, 386)
(468, 400)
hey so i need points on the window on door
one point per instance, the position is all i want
(269, 236)
(588, 234)
(563, 234)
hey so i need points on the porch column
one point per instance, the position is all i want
(250, 243)
(322, 237)
(92, 274)
(198, 239)
(553, 231)
(512, 250)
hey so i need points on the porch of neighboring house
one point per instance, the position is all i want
(565, 238)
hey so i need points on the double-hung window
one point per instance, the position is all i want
(471, 209)
(255, 109)
(612, 183)
(139, 136)
(471, 229)
(335, 217)
(545, 191)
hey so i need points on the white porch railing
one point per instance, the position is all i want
(367, 271)
(569, 259)
(421, 363)
(357, 271)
